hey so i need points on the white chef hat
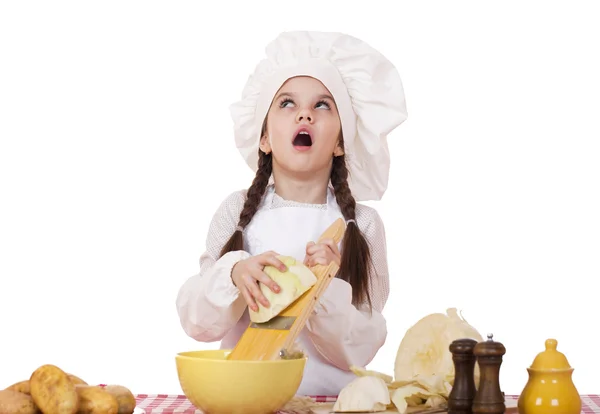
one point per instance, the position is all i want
(365, 85)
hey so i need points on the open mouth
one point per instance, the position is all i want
(302, 139)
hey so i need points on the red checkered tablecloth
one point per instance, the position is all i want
(171, 404)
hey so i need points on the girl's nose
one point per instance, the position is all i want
(304, 115)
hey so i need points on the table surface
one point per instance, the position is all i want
(168, 404)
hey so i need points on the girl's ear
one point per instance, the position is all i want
(265, 145)
(339, 147)
(338, 151)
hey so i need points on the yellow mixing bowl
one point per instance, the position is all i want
(216, 385)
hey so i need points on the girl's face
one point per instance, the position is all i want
(303, 127)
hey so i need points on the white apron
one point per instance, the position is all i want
(287, 230)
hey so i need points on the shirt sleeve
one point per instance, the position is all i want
(346, 335)
(208, 303)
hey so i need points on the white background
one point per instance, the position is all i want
(117, 147)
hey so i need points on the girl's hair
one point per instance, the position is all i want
(356, 255)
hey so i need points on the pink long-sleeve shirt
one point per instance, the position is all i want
(337, 334)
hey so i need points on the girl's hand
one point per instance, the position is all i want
(247, 273)
(322, 253)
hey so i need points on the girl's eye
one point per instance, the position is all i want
(284, 103)
(323, 103)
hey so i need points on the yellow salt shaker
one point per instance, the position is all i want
(550, 388)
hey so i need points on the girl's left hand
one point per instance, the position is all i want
(322, 253)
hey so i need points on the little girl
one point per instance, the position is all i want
(313, 123)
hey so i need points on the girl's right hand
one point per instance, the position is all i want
(248, 272)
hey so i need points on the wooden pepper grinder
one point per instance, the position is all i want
(489, 398)
(463, 391)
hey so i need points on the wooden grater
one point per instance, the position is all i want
(272, 339)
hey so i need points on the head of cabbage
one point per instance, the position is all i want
(423, 371)
(425, 348)
(294, 282)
